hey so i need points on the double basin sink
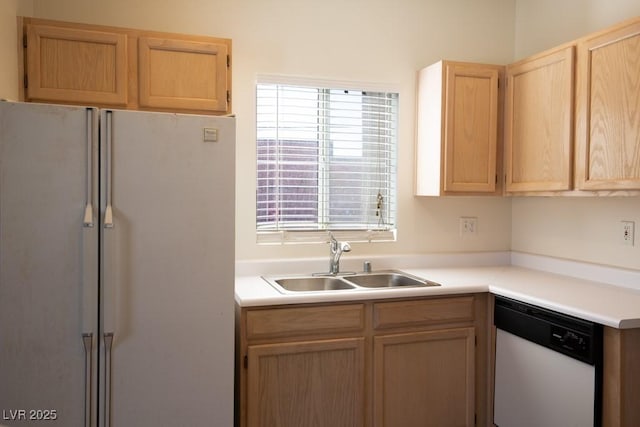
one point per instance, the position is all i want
(391, 279)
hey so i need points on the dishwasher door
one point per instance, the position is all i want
(539, 381)
(539, 387)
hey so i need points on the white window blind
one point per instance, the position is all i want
(326, 160)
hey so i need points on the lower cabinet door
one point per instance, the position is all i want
(424, 379)
(311, 384)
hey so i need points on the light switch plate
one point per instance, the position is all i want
(628, 232)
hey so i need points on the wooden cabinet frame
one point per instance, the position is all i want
(459, 131)
(599, 147)
(300, 330)
(126, 68)
(621, 385)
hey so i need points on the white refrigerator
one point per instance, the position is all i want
(116, 267)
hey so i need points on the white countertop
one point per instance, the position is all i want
(613, 301)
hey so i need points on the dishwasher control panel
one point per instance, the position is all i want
(572, 341)
(566, 334)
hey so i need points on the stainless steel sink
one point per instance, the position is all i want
(352, 282)
(388, 280)
(312, 284)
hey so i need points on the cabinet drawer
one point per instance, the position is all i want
(422, 312)
(278, 322)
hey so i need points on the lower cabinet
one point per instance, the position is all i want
(424, 379)
(399, 362)
(313, 383)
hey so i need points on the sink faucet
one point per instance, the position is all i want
(335, 251)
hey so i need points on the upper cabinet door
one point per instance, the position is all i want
(608, 110)
(76, 65)
(471, 128)
(539, 122)
(457, 148)
(182, 74)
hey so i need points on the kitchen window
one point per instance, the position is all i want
(326, 161)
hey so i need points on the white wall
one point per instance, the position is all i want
(358, 40)
(586, 229)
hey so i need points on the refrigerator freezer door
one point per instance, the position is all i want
(168, 294)
(45, 276)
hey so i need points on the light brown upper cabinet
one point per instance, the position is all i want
(125, 68)
(163, 65)
(538, 136)
(458, 132)
(76, 65)
(608, 109)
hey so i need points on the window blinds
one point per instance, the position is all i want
(326, 159)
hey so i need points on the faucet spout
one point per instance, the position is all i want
(335, 252)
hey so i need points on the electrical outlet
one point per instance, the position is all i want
(468, 226)
(628, 231)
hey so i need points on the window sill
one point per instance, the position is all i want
(299, 237)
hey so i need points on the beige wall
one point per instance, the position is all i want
(357, 40)
(9, 79)
(586, 229)
(382, 42)
(542, 24)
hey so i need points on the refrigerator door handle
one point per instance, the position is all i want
(88, 210)
(108, 343)
(108, 213)
(88, 376)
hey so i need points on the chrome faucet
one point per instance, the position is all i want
(335, 251)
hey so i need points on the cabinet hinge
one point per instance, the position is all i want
(246, 361)
(496, 178)
(228, 96)
(24, 41)
(476, 341)
(26, 81)
(475, 419)
(228, 61)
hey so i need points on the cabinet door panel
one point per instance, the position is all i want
(424, 379)
(294, 384)
(608, 102)
(182, 74)
(471, 128)
(76, 65)
(538, 123)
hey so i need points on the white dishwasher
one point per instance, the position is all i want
(548, 370)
